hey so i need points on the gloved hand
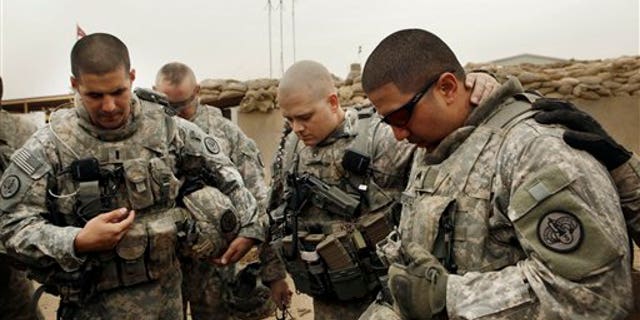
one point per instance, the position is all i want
(419, 289)
(583, 132)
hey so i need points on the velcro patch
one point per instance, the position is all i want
(10, 186)
(211, 145)
(560, 231)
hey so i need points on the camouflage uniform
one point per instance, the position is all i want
(144, 163)
(537, 228)
(385, 178)
(15, 289)
(205, 286)
(627, 179)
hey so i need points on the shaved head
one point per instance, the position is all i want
(307, 77)
(175, 73)
(309, 101)
(99, 53)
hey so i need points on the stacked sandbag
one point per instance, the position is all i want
(222, 92)
(260, 96)
(589, 80)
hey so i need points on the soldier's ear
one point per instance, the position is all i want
(74, 82)
(132, 75)
(334, 102)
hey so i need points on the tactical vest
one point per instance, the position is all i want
(135, 173)
(333, 254)
(450, 202)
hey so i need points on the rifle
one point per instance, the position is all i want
(330, 198)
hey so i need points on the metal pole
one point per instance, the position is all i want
(293, 27)
(270, 43)
(281, 43)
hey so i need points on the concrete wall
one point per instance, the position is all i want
(265, 128)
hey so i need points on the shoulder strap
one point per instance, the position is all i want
(362, 129)
(520, 109)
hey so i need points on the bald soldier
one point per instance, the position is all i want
(15, 288)
(342, 174)
(210, 289)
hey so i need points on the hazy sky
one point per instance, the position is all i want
(229, 39)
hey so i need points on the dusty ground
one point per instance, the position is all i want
(301, 309)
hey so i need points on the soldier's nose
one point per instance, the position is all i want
(108, 103)
(400, 133)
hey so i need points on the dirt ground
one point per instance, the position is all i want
(301, 306)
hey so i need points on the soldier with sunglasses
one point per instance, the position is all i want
(209, 288)
(501, 219)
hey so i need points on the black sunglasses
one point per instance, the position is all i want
(400, 117)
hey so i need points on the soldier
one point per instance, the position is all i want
(89, 202)
(341, 175)
(15, 289)
(205, 286)
(501, 219)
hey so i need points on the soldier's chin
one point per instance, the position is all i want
(111, 122)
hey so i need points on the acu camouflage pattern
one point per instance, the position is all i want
(504, 272)
(627, 179)
(152, 139)
(389, 163)
(207, 287)
(15, 288)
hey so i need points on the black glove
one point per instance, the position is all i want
(583, 132)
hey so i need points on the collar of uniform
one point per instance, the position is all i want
(346, 129)
(510, 88)
(451, 142)
(104, 134)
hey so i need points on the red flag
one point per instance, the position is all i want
(79, 32)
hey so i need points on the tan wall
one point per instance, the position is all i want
(265, 129)
(620, 116)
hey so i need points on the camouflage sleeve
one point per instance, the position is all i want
(627, 180)
(391, 158)
(272, 266)
(204, 150)
(26, 234)
(246, 156)
(567, 220)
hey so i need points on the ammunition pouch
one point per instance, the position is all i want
(342, 264)
(145, 253)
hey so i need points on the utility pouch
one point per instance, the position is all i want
(164, 183)
(356, 162)
(348, 283)
(375, 228)
(131, 251)
(162, 246)
(136, 174)
(334, 254)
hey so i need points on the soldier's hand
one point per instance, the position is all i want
(583, 132)
(237, 249)
(104, 231)
(280, 293)
(481, 84)
(419, 289)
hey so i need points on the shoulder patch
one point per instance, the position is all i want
(211, 145)
(10, 186)
(560, 231)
